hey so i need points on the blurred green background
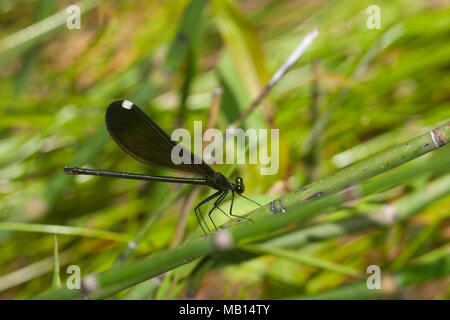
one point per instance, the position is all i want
(355, 92)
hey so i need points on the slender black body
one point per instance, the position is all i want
(142, 139)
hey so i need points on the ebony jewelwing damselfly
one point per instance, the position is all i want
(145, 141)
(141, 138)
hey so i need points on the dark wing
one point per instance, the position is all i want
(142, 139)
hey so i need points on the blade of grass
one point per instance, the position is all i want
(56, 283)
(391, 284)
(299, 209)
(246, 58)
(16, 43)
(33, 270)
(188, 31)
(300, 258)
(415, 244)
(385, 39)
(66, 230)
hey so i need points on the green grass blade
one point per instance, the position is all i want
(63, 230)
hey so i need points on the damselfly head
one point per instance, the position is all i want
(239, 186)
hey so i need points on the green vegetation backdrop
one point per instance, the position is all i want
(355, 110)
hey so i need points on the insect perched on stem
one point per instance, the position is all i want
(142, 139)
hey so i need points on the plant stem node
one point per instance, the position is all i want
(223, 240)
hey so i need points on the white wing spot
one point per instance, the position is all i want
(127, 104)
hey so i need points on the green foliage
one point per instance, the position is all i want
(375, 89)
